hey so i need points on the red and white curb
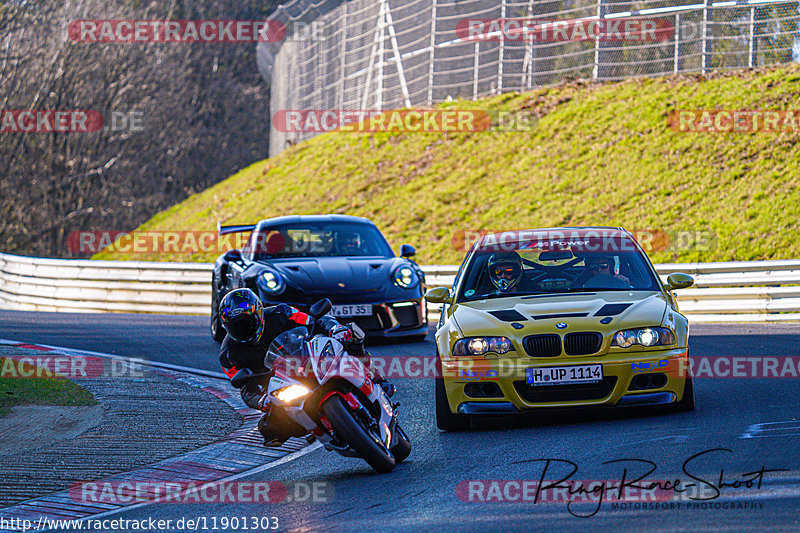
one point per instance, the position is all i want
(240, 454)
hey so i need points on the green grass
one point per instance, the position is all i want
(40, 391)
(600, 154)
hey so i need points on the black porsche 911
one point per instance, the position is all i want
(301, 259)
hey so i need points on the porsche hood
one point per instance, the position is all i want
(336, 275)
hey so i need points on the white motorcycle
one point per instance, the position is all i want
(329, 393)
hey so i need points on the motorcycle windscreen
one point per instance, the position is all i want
(288, 345)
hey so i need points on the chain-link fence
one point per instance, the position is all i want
(387, 54)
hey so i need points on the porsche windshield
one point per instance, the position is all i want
(532, 268)
(326, 239)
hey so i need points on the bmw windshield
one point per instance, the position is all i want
(538, 267)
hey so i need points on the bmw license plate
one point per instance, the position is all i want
(564, 375)
(344, 311)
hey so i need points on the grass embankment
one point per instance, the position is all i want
(38, 391)
(600, 154)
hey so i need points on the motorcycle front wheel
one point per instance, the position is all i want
(348, 428)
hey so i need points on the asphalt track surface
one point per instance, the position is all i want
(421, 494)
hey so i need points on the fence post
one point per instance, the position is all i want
(677, 41)
(752, 37)
(432, 55)
(596, 68)
(705, 38)
(401, 75)
(343, 62)
(475, 71)
(381, 55)
(501, 53)
(527, 62)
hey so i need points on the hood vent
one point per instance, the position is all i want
(612, 309)
(508, 315)
(560, 315)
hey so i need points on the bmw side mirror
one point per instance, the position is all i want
(241, 378)
(439, 295)
(679, 280)
(233, 256)
(407, 251)
(320, 308)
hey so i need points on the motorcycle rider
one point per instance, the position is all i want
(251, 328)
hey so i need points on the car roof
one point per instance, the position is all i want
(295, 219)
(564, 232)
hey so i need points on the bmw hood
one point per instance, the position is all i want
(606, 312)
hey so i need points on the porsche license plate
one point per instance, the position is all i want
(345, 311)
(565, 375)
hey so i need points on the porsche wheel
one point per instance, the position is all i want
(217, 330)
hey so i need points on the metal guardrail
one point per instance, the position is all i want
(748, 291)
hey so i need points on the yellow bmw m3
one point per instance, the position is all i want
(559, 318)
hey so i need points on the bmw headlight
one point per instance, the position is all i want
(482, 345)
(405, 277)
(655, 336)
(272, 282)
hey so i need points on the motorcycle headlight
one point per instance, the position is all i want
(291, 393)
(272, 282)
(655, 336)
(482, 345)
(405, 277)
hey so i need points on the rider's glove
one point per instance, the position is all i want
(342, 334)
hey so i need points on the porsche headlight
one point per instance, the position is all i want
(291, 393)
(272, 282)
(482, 345)
(405, 277)
(655, 336)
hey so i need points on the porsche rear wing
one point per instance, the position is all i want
(238, 228)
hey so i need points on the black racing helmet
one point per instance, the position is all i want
(242, 315)
(505, 270)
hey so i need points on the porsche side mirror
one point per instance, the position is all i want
(407, 250)
(240, 378)
(233, 255)
(679, 280)
(320, 308)
(439, 295)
